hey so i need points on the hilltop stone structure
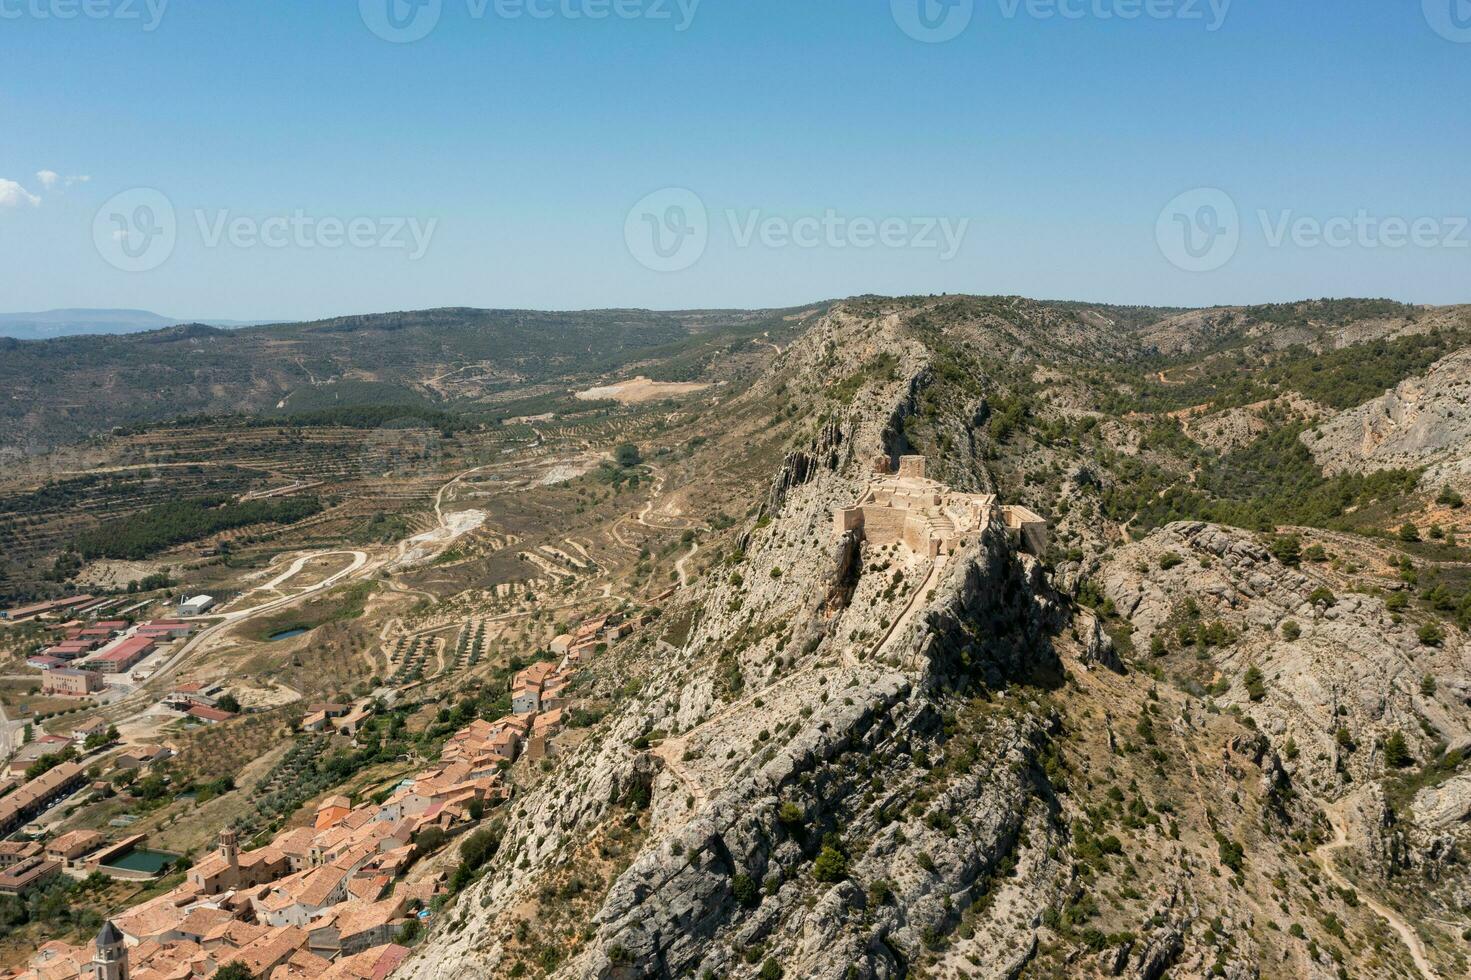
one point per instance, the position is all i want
(903, 506)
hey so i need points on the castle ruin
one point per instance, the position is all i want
(929, 518)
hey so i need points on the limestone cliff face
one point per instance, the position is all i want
(1423, 421)
(853, 720)
(794, 730)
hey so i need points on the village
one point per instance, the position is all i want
(330, 898)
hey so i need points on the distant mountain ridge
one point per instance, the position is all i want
(83, 322)
(69, 388)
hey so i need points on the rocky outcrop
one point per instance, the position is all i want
(847, 567)
(1446, 805)
(1423, 421)
(794, 804)
(995, 621)
(800, 467)
(1345, 663)
(678, 912)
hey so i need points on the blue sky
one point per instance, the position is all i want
(1049, 146)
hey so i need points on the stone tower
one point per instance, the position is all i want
(111, 960)
(230, 848)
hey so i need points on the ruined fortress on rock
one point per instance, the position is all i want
(930, 518)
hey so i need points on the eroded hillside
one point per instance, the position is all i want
(1179, 755)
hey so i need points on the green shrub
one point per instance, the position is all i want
(1287, 549)
(1397, 752)
(1256, 687)
(831, 865)
(744, 887)
(1291, 631)
(1232, 854)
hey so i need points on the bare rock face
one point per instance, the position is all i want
(1347, 665)
(1446, 805)
(1423, 421)
(1325, 676)
(677, 912)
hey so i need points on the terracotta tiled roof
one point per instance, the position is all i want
(371, 964)
(270, 950)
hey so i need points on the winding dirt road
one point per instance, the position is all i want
(1324, 858)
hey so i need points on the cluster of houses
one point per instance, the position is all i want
(541, 693)
(29, 863)
(343, 719)
(25, 864)
(579, 645)
(330, 899)
(315, 902)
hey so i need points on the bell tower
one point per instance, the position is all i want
(111, 959)
(230, 848)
